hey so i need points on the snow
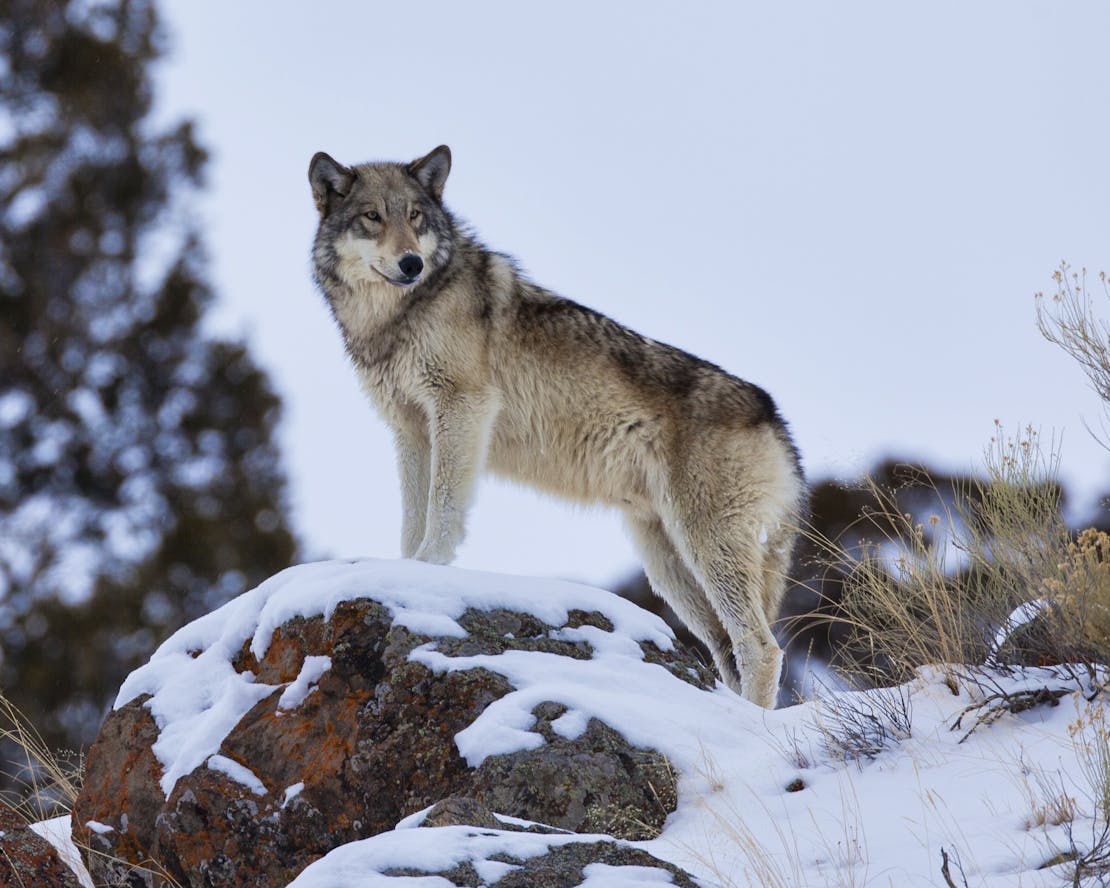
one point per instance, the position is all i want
(237, 772)
(99, 828)
(763, 796)
(601, 875)
(571, 725)
(1021, 615)
(291, 792)
(58, 832)
(305, 682)
(490, 871)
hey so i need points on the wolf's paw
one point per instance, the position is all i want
(435, 554)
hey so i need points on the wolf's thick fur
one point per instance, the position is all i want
(475, 367)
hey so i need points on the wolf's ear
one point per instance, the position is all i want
(431, 170)
(328, 178)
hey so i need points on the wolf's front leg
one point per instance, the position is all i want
(414, 465)
(459, 435)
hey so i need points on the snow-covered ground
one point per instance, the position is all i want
(765, 798)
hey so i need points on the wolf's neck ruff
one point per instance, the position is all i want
(475, 368)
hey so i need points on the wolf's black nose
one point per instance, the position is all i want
(411, 265)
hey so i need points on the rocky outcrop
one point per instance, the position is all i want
(358, 716)
(28, 859)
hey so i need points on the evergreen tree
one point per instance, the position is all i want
(140, 484)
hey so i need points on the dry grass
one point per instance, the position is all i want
(50, 781)
(795, 749)
(1081, 588)
(1068, 319)
(853, 727)
(944, 589)
(1050, 803)
(1091, 734)
(1088, 855)
(938, 589)
(1051, 811)
(1081, 594)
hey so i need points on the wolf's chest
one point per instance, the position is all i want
(397, 382)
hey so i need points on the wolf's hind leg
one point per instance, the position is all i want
(733, 578)
(672, 581)
(721, 543)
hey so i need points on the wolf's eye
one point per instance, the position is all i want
(414, 214)
(373, 216)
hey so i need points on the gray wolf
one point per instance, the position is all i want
(474, 367)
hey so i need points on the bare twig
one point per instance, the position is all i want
(991, 709)
(946, 872)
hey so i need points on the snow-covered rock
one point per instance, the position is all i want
(338, 698)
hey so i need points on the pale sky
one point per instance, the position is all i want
(848, 204)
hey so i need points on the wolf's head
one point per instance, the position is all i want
(381, 222)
